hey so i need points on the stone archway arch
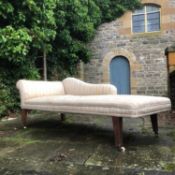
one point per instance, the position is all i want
(132, 62)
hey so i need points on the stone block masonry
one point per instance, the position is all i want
(145, 51)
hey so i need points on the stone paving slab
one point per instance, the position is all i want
(84, 146)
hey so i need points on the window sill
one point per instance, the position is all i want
(147, 33)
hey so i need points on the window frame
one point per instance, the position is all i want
(145, 13)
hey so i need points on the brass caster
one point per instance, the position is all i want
(122, 149)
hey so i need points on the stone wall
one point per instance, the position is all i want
(149, 68)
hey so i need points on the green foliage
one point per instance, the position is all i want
(14, 44)
(5, 101)
(26, 28)
(6, 8)
(59, 28)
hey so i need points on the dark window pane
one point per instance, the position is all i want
(155, 15)
(138, 22)
(153, 22)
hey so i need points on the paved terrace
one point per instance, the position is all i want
(85, 146)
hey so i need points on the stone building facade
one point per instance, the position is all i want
(145, 51)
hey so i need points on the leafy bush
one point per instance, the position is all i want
(5, 101)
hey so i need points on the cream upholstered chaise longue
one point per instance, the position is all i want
(75, 96)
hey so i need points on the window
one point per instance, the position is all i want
(146, 19)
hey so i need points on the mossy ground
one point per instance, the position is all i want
(84, 145)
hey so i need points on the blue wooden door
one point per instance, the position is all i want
(120, 74)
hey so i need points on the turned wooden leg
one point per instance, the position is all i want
(154, 122)
(62, 117)
(24, 117)
(118, 136)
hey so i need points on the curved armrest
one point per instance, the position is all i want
(31, 89)
(74, 86)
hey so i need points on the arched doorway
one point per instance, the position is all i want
(120, 74)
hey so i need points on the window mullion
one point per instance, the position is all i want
(145, 20)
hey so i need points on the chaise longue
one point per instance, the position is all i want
(75, 96)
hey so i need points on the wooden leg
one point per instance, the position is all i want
(154, 123)
(24, 117)
(62, 117)
(117, 126)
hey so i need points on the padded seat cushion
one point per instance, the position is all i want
(110, 105)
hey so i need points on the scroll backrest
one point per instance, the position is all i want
(74, 86)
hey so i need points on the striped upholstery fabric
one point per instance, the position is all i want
(74, 86)
(75, 96)
(110, 105)
(31, 89)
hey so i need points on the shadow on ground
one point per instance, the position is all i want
(84, 146)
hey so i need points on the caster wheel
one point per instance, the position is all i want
(122, 149)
